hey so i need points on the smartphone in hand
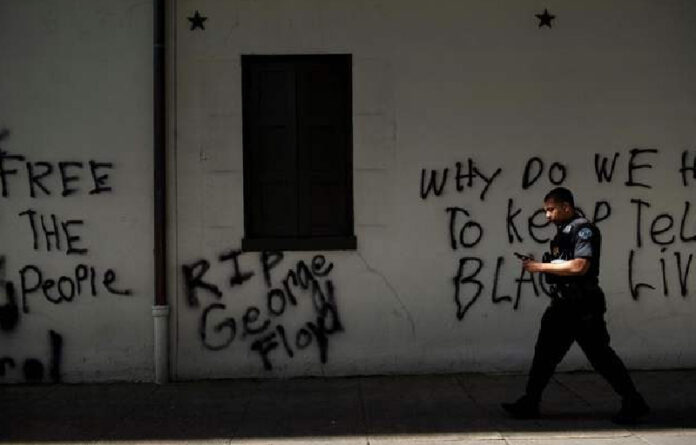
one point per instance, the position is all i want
(523, 257)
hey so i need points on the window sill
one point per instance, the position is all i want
(299, 244)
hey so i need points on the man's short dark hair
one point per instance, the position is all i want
(560, 194)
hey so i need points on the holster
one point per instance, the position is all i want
(582, 296)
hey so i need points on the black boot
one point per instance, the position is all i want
(524, 408)
(632, 409)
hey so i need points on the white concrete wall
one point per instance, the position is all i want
(77, 87)
(436, 83)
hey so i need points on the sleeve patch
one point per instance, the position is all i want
(585, 234)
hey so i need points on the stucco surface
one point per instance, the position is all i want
(474, 92)
(76, 104)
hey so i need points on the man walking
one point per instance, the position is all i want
(576, 312)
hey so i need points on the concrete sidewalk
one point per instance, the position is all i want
(452, 409)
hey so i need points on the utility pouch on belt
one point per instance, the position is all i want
(570, 292)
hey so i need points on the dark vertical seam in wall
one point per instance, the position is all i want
(159, 148)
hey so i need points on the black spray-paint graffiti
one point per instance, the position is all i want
(262, 326)
(43, 178)
(82, 280)
(464, 178)
(664, 233)
(21, 177)
(9, 310)
(662, 229)
(33, 369)
(50, 233)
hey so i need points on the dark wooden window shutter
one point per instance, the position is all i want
(297, 152)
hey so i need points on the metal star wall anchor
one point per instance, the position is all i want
(545, 18)
(197, 21)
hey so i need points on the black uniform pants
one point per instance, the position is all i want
(562, 325)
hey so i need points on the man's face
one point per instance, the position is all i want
(557, 212)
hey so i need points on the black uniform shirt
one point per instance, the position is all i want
(578, 238)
